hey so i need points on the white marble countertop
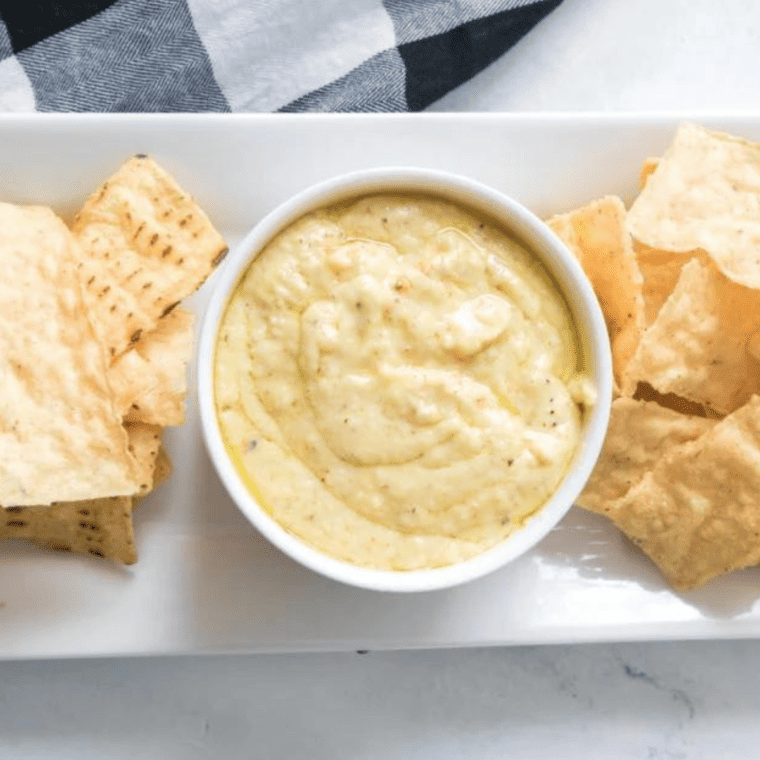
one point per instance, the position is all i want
(618, 702)
(671, 700)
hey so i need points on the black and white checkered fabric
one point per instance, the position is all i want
(250, 55)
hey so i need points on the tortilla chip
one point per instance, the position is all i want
(639, 435)
(144, 445)
(597, 236)
(660, 270)
(163, 467)
(102, 527)
(146, 245)
(647, 168)
(697, 346)
(60, 437)
(705, 193)
(696, 514)
(129, 377)
(149, 381)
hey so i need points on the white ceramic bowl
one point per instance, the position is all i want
(578, 293)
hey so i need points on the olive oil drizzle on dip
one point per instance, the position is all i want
(399, 382)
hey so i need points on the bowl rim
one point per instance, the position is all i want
(557, 259)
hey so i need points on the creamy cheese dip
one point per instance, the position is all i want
(398, 382)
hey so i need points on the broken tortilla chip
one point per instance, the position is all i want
(145, 245)
(697, 346)
(639, 435)
(149, 381)
(163, 467)
(647, 168)
(660, 270)
(60, 436)
(102, 527)
(705, 193)
(597, 236)
(144, 445)
(696, 514)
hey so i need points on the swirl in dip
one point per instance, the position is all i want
(398, 382)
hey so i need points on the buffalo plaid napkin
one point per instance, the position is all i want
(250, 55)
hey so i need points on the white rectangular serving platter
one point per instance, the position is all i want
(205, 580)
